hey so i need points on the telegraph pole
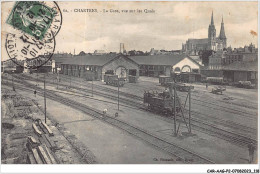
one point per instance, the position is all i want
(70, 80)
(58, 79)
(44, 99)
(118, 94)
(174, 103)
(189, 108)
(92, 87)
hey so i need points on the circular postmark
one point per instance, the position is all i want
(57, 19)
(37, 24)
(24, 50)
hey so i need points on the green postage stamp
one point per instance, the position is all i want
(31, 17)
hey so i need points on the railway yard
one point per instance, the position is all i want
(87, 120)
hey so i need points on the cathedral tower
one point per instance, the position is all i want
(212, 34)
(222, 35)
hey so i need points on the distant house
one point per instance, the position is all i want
(99, 52)
(12, 66)
(248, 53)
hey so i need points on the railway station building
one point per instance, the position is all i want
(99, 65)
(156, 65)
(241, 71)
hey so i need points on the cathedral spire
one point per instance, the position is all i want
(222, 34)
(212, 20)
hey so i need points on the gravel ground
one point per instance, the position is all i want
(109, 145)
(14, 140)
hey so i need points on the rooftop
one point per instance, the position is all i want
(159, 59)
(242, 66)
(98, 60)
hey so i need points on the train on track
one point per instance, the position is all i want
(162, 102)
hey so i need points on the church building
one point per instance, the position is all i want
(193, 46)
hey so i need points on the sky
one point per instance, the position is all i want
(171, 24)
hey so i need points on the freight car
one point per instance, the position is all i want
(183, 87)
(113, 80)
(132, 79)
(215, 80)
(89, 75)
(160, 102)
(163, 80)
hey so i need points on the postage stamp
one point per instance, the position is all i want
(31, 17)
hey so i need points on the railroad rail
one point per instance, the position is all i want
(200, 125)
(181, 153)
(204, 103)
(136, 98)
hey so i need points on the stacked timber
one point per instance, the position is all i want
(41, 152)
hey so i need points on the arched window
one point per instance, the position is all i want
(177, 69)
(186, 68)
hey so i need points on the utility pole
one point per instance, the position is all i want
(58, 79)
(70, 80)
(189, 108)
(92, 87)
(118, 94)
(45, 107)
(174, 104)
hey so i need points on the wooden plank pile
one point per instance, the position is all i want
(42, 148)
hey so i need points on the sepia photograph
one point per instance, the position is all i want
(110, 82)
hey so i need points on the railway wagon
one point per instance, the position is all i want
(89, 75)
(187, 77)
(113, 80)
(160, 102)
(163, 80)
(183, 87)
(215, 80)
(132, 79)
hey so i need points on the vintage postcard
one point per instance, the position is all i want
(130, 83)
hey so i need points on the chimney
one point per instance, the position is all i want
(122, 48)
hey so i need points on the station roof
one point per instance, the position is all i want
(97, 60)
(101, 60)
(242, 66)
(168, 60)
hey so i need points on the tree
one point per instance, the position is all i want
(205, 56)
(82, 53)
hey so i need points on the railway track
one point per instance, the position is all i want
(202, 126)
(226, 123)
(205, 103)
(208, 128)
(181, 153)
(134, 103)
